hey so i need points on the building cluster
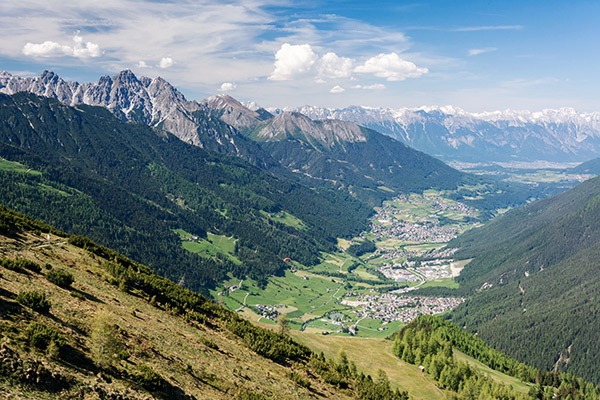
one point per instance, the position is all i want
(397, 273)
(267, 311)
(426, 231)
(390, 307)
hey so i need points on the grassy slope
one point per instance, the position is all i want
(496, 375)
(372, 354)
(154, 337)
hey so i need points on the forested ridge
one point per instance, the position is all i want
(534, 282)
(429, 341)
(129, 186)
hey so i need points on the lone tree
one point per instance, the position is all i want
(283, 322)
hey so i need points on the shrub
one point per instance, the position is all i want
(108, 346)
(147, 378)
(23, 263)
(298, 379)
(208, 343)
(19, 264)
(43, 337)
(77, 295)
(60, 278)
(34, 299)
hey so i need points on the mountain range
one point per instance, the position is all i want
(331, 153)
(452, 134)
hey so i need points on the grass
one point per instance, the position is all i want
(496, 375)
(154, 336)
(11, 166)
(209, 247)
(371, 354)
(443, 282)
(286, 219)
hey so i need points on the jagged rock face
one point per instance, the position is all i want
(454, 134)
(154, 102)
(235, 113)
(325, 133)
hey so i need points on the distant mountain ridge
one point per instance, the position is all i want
(453, 134)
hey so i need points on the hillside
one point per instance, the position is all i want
(132, 187)
(370, 165)
(588, 167)
(534, 279)
(78, 320)
(464, 364)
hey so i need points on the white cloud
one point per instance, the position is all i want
(490, 28)
(333, 66)
(142, 64)
(375, 86)
(337, 89)
(391, 67)
(293, 61)
(228, 86)
(54, 49)
(166, 62)
(476, 52)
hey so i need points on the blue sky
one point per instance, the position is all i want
(477, 55)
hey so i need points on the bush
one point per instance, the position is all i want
(60, 278)
(108, 346)
(44, 337)
(208, 343)
(147, 378)
(34, 299)
(19, 264)
(298, 379)
(77, 295)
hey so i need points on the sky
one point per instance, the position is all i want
(476, 55)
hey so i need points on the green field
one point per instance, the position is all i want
(209, 247)
(496, 375)
(444, 282)
(11, 166)
(371, 354)
(285, 218)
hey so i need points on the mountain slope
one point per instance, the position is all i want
(453, 134)
(534, 280)
(370, 165)
(129, 186)
(113, 329)
(152, 102)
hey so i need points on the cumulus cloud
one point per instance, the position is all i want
(476, 52)
(333, 66)
(375, 86)
(292, 61)
(337, 89)
(166, 62)
(142, 64)
(228, 86)
(391, 67)
(55, 49)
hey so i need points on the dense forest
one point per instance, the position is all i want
(533, 282)
(129, 186)
(431, 341)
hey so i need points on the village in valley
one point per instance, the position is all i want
(372, 293)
